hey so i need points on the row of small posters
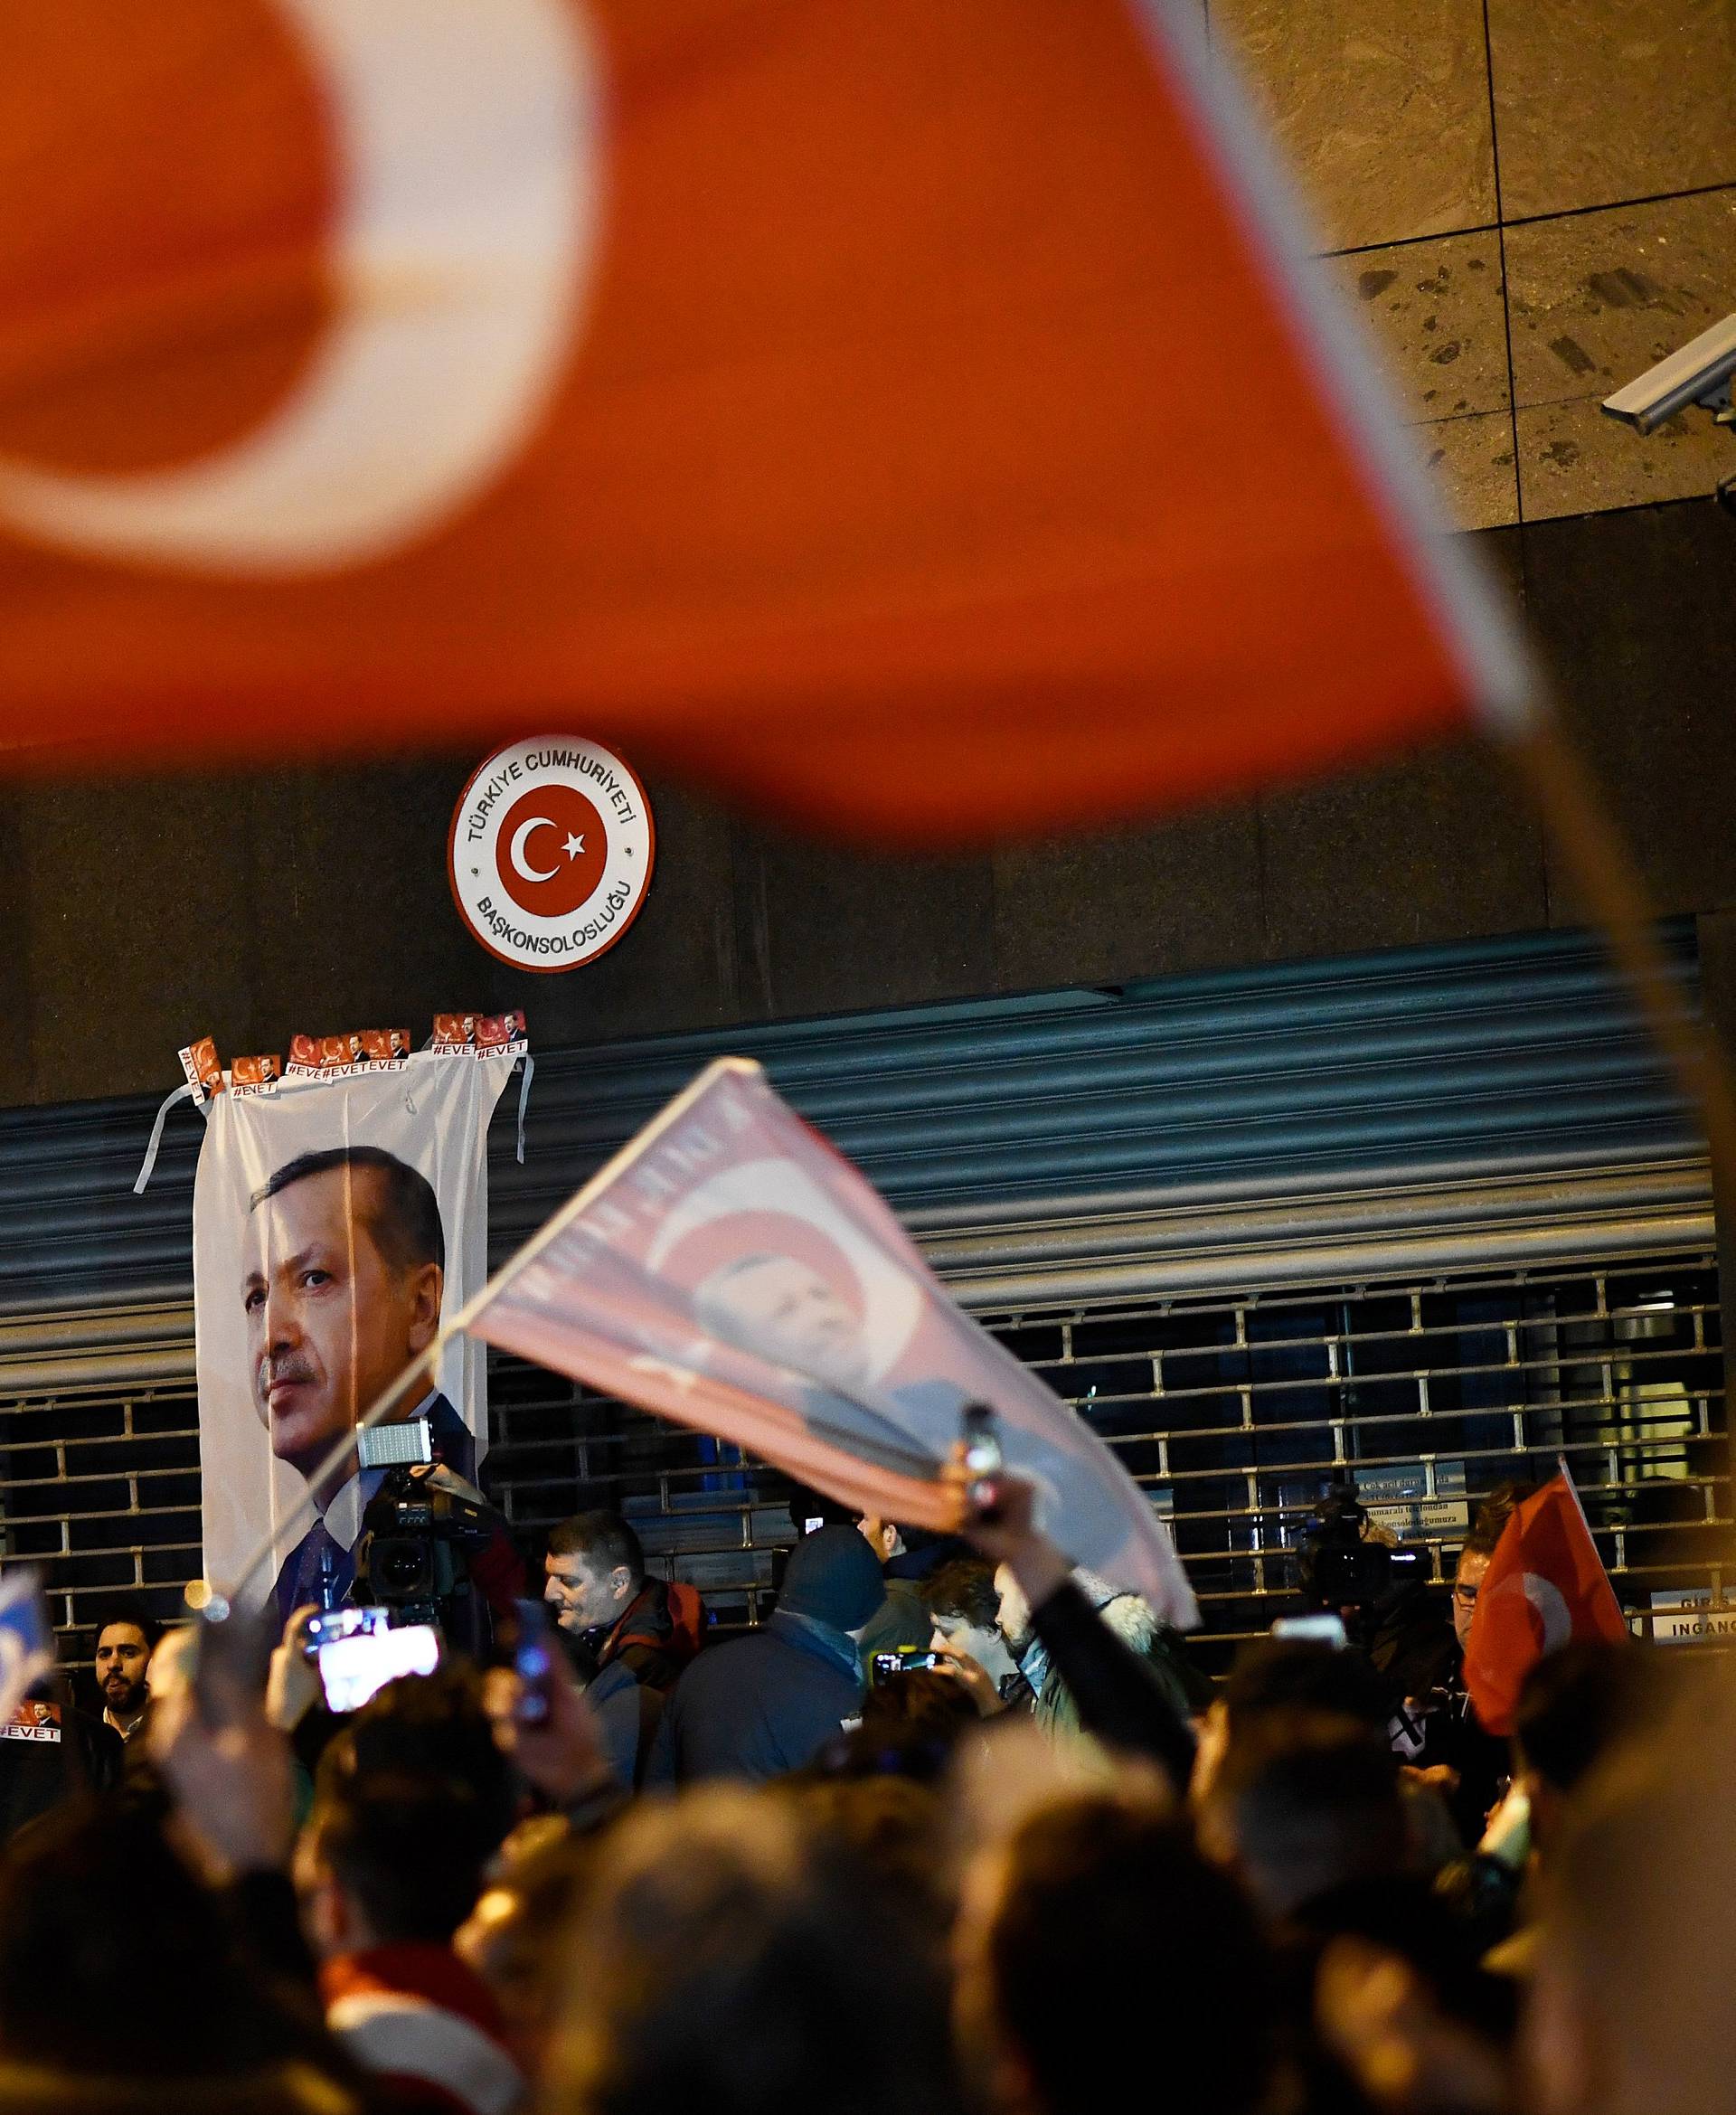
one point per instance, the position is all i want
(343, 1057)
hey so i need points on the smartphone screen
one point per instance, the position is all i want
(984, 1460)
(534, 1662)
(886, 1667)
(351, 1669)
(1322, 1630)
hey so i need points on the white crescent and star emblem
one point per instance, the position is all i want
(468, 134)
(571, 847)
(551, 851)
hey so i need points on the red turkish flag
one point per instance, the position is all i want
(909, 413)
(1545, 1586)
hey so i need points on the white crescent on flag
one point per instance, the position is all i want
(467, 139)
(1551, 1608)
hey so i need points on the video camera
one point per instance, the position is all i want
(417, 1532)
(1336, 1568)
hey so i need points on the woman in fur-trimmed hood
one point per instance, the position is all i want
(1134, 1622)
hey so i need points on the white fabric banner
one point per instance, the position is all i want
(335, 1223)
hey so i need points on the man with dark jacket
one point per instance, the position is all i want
(629, 1637)
(909, 1557)
(769, 1702)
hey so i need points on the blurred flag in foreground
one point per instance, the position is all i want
(908, 413)
(731, 1271)
(27, 1640)
(1545, 1585)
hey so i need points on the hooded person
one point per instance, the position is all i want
(768, 1702)
(1132, 1620)
(909, 1557)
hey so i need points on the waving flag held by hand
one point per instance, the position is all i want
(730, 1270)
(1545, 1587)
(914, 414)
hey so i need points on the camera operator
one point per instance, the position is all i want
(1392, 1617)
(434, 1551)
(1381, 1592)
(1391, 1614)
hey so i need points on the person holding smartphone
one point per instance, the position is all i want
(1116, 1695)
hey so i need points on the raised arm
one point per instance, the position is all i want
(1121, 1700)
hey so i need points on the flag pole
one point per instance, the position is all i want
(1603, 869)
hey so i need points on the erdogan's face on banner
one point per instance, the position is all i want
(343, 1271)
(783, 1305)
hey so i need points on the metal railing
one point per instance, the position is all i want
(1234, 1411)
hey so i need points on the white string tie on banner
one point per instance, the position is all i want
(523, 1099)
(184, 1092)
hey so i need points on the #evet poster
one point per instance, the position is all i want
(336, 1221)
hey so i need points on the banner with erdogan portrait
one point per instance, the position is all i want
(338, 1221)
(731, 1271)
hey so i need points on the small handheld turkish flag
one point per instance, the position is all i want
(1545, 1586)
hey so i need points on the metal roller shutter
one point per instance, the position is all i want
(1119, 1181)
(1510, 1076)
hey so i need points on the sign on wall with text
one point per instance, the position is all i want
(551, 853)
(340, 1214)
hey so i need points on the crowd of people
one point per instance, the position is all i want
(957, 1828)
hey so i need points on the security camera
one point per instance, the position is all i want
(1698, 375)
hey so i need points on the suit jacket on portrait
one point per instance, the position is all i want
(298, 1581)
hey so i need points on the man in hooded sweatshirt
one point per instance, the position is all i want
(769, 1702)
